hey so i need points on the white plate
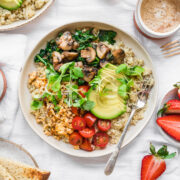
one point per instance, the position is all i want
(20, 23)
(25, 97)
(172, 94)
(15, 152)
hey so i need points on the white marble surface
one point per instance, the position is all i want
(64, 167)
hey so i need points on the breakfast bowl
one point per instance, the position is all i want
(171, 95)
(25, 97)
(152, 28)
(26, 13)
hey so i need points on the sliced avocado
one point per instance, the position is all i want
(108, 103)
(10, 4)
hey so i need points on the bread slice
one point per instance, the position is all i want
(4, 174)
(22, 171)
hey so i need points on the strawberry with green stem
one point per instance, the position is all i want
(154, 165)
(177, 85)
(171, 107)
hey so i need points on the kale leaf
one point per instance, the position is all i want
(84, 38)
(107, 35)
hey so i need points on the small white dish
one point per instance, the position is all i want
(25, 97)
(172, 94)
(15, 152)
(20, 23)
(145, 30)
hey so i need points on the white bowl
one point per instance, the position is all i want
(172, 94)
(20, 23)
(145, 30)
(25, 97)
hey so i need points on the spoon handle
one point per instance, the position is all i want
(112, 160)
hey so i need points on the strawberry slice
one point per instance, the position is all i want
(178, 86)
(173, 107)
(154, 165)
(171, 125)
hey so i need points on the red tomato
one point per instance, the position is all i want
(75, 110)
(75, 139)
(104, 125)
(86, 145)
(101, 139)
(87, 132)
(90, 119)
(78, 123)
(83, 90)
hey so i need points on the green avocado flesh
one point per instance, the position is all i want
(10, 4)
(108, 103)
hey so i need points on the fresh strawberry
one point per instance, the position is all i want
(171, 107)
(154, 165)
(178, 86)
(171, 125)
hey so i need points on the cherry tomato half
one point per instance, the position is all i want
(75, 139)
(101, 139)
(87, 132)
(75, 110)
(78, 123)
(83, 90)
(86, 145)
(90, 119)
(104, 125)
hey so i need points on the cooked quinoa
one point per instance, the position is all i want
(59, 124)
(26, 11)
(56, 124)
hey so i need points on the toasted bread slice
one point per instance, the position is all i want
(22, 171)
(4, 174)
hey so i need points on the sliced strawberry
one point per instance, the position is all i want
(86, 145)
(173, 107)
(171, 125)
(154, 165)
(178, 86)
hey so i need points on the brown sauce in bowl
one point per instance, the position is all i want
(161, 15)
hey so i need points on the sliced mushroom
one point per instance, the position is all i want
(89, 73)
(57, 58)
(89, 54)
(103, 62)
(79, 64)
(118, 55)
(102, 50)
(69, 55)
(65, 42)
(57, 66)
(75, 45)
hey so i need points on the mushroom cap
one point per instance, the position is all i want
(118, 55)
(69, 55)
(65, 42)
(89, 73)
(102, 50)
(57, 58)
(89, 54)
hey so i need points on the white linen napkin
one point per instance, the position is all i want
(12, 49)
